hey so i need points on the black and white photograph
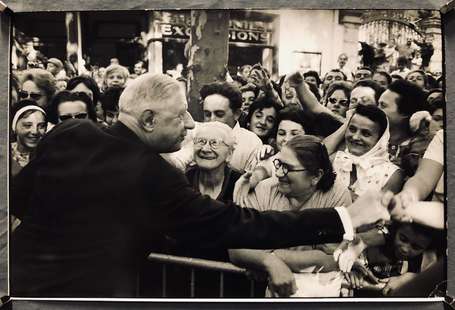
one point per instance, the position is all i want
(241, 153)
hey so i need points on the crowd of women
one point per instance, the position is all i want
(302, 141)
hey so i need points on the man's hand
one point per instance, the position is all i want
(348, 252)
(295, 80)
(370, 208)
(281, 279)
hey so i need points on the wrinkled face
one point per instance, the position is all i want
(30, 130)
(311, 80)
(338, 103)
(262, 121)
(362, 74)
(247, 99)
(388, 104)
(409, 243)
(416, 78)
(342, 60)
(210, 152)
(31, 91)
(362, 95)
(294, 183)
(332, 77)
(115, 79)
(171, 123)
(286, 130)
(380, 79)
(72, 109)
(216, 108)
(362, 135)
(437, 120)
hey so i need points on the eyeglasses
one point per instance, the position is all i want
(343, 102)
(284, 167)
(70, 116)
(213, 143)
(24, 95)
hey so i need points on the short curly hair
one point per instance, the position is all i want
(43, 79)
(411, 97)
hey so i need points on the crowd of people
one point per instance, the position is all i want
(300, 141)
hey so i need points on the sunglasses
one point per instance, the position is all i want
(70, 116)
(24, 95)
(343, 102)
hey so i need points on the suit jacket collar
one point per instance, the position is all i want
(121, 131)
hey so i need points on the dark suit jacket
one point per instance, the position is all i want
(92, 201)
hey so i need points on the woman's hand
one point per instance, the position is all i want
(265, 152)
(281, 279)
(401, 202)
(347, 253)
(242, 189)
(392, 284)
(355, 279)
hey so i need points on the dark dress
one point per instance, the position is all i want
(93, 203)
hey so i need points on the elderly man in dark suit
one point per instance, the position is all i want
(92, 201)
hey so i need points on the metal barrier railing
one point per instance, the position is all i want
(197, 263)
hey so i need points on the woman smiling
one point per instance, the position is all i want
(365, 164)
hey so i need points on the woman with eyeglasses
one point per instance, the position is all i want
(38, 85)
(28, 126)
(304, 178)
(87, 85)
(68, 105)
(213, 147)
(364, 164)
(337, 99)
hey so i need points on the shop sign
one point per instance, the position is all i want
(239, 31)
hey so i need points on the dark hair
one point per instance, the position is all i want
(386, 75)
(365, 68)
(422, 73)
(110, 98)
(65, 96)
(343, 86)
(411, 97)
(225, 89)
(296, 115)
(432, 82)
(250, 87)
(374, 114)
(315, 90)
(378, 89)
(438, 103)
(337, 71)
(88, 82)
(396, 76)
(312, 154)
(264, 103)
(313, 74)
(240, 79)
(436, 236)
(402, 61)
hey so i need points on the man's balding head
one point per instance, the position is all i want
(155, 108)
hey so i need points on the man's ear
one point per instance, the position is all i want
(147, 120)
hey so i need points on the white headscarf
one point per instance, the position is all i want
(373, 168)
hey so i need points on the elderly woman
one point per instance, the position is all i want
(262, 119)
(28, 126)
(337, 99)
(304, 178)
(66, 105)
(213, 148)
(365, 164)
(38, 85)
